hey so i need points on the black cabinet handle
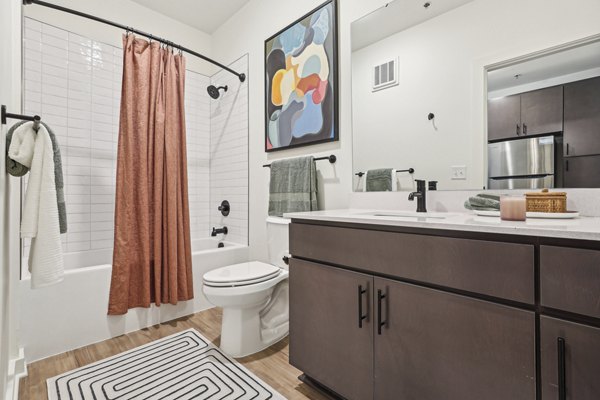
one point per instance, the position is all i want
(567, 166)
(562, 388)
(518, 130)
(524, 129)
(380, 322)
(361, 317)
(567, 148)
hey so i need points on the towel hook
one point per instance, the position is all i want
(36, 122)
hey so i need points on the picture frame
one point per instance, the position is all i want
(301, 81)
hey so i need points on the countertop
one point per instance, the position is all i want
(581, 228)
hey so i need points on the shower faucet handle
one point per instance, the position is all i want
(224, 208)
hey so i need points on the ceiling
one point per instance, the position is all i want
(566, 62)
(397, 16)
(205, 15)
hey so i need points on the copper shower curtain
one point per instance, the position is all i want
(152, 259)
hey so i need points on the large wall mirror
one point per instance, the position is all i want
(477, 94)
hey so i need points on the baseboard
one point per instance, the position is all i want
(16, 370)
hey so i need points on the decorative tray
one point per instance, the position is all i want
(530, 214)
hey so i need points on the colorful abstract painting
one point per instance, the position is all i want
(301, 81)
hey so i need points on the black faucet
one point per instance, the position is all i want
(216, 231)
(421, 195)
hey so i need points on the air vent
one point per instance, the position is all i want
(385, 75)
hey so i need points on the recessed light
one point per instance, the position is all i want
(427, 4)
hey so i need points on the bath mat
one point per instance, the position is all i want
(181, 366)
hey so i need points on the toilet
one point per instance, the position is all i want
(254, 296)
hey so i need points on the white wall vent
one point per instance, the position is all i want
(385, 75)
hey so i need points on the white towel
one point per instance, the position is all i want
(40, 211)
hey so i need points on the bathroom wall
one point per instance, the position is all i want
(557, 22)
(244, 33)
(74, 82)
(229, 152)
(440, 63)
(127, 13)
(11, 356)
(197, 120)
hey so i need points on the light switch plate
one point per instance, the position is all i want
(459, 172)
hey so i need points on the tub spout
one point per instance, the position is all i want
(216, 231)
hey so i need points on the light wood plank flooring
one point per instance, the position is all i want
(271, 365)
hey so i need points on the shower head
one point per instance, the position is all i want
(213, 91)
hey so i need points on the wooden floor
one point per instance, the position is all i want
(271, 365)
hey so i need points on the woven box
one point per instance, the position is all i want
(545, 201)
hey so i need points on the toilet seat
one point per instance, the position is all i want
(242, 274)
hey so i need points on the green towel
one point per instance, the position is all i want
(483, 202)
(12, 167)
(16, 169)
(379, 180)
(293, 186)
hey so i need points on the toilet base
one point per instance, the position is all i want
(242, 335)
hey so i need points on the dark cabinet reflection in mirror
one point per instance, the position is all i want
(548, 137)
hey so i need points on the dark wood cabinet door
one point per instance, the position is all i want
(542, 111)
(582, 118)
(504, 117)
(437, 345)
(581, 363)
(581, 172)
(326, 341)
(570, 280)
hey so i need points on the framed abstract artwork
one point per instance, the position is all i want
(301, 87)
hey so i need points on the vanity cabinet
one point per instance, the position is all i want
(570, 280)
(582, 118)
(570, 360)
(396, 312)
(531, 113)
(435, 345)
(329, 342)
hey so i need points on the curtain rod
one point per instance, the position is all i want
(241, 76)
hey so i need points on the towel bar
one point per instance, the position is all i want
(5, 115)
(332, 159)
(410, 171)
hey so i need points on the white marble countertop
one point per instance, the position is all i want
(581, 228)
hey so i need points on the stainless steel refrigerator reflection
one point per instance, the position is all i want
(522, 164)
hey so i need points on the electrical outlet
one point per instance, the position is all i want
(459, 172)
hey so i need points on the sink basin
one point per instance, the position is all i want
(408, 214)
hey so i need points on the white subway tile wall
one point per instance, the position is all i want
(229, 152)
(197, 105)
(74, 83)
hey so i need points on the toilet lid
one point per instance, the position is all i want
(241, 274)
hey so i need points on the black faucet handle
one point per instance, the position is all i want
(224, 208)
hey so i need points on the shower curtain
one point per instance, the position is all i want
(152, 259)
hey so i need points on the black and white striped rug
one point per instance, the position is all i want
(181, 366)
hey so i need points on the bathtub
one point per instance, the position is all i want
(72, 313)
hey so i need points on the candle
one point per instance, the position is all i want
(513, 208)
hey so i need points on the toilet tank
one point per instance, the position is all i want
(278, 240)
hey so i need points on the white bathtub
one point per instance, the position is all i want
(72, 313)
